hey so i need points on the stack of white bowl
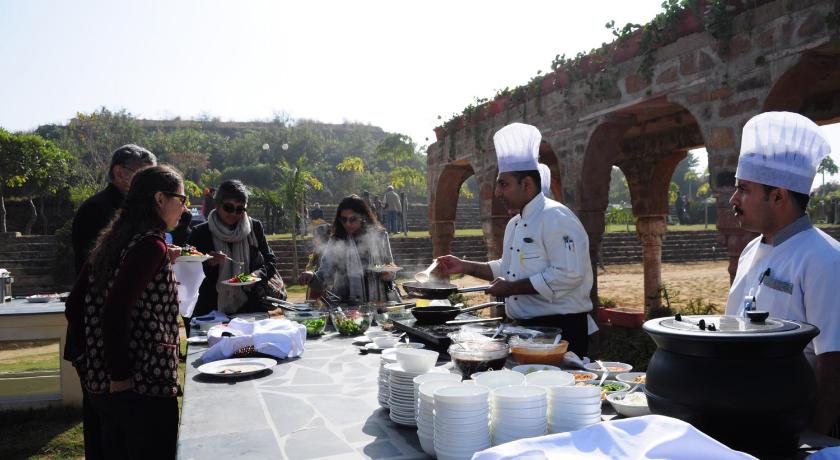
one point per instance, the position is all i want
(401, 394)
(435, 374)
(462, 419)
(518, 412)
(572, 408)
(426, 411)
(388, 357)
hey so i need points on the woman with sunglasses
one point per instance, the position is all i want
(357, 242)
(122, 320)
(230, 233)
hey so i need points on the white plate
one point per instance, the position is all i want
(237, 367)
(247, 283)
(192, 258)
(197, 339)
(38, 298)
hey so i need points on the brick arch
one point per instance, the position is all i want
(810, 87)
(549, 158)
(444, 204)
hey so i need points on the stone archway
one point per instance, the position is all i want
(443, 208)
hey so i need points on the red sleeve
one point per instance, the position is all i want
(139, 267)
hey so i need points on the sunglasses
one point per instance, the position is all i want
(349, 220)
(234, 209)
(181, 198)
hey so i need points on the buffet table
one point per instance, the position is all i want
(322, 405)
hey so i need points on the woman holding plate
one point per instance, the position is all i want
(238, 248)
(354, 263)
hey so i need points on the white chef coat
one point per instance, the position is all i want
(804, 271)
(547, 244)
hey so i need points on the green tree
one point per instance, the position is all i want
(49, 173)
(13, 170)
(827, 165)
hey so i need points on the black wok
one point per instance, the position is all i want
(437, 290)
(440, 314)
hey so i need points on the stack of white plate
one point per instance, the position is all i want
(517, 412)
(462, 419)
(401, 394)
(426, 412)
(573, 408)
(433, 375)
(388, 356)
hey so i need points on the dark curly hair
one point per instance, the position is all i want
(138, 214)
(358, 205)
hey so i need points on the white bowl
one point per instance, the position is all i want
(416, 360)
(583, 376)
(497, 379)
(529, 368)
(550, 378)
(519, 394)
(409, 345)
(574, 392)
(630, 379)
(385, 341)
(628, 410)
(619, 368)
(373, 333)
(427, 389)
(462, 394)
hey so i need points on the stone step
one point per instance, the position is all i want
(25, 255)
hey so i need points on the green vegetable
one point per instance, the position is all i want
(244, 277)
(314, 327)
(612, 387)
(350, 327)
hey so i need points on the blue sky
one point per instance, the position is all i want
(395, 64)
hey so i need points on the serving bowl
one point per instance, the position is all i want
(633, 379)
(314, 321)
(612, 386)
(613, 367)
(416, 360)
(538, 350)
(350, 321)
(583, 376)
(529, 368)
(627, 404)
(385, 341)
(472, 357)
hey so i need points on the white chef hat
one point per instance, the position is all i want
(781, 149)
(545, 179)
(517, 147)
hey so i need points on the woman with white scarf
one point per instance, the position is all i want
(358, 241)
(230, 233)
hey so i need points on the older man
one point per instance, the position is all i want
(792, 268)
(97, 211)
(93, 215)
(544, 274)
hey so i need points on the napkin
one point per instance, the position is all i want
(189, 276)
(648, 437)
(279, 338)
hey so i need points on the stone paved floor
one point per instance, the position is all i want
(322, 405)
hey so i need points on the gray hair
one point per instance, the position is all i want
(232, 190)
(130, 156)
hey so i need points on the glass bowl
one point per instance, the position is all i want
(351, 321)
(472, 357)
(314, 321)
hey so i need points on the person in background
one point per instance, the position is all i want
(123, 322)
(231, 232)
(320, 238)
(182, 232)
(393, 208)
(792, 268)
(545, 273)
(358, 242)
(377, 208)
(97, 211)
(209, 203)
(93, 215)
(316, 212)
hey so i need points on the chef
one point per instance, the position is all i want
(792, 269)
(544, 273)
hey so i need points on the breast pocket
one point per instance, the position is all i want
(774, 296)
(532, 258)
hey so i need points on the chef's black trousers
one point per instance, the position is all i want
(135, 426)
(575, 328)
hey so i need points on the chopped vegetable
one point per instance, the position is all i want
(190, 251)
(242, 278)
(314, 327)
(612, 386)
(350, 327)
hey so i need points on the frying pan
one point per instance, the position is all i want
(437, 290)
(441, 314)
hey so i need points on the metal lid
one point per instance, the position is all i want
(715, 324)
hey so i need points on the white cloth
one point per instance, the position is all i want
(649, 437)
(280, 338)
(808, 262)
(517, 147)
(545, 179)
(189, 276)
(236, 244)
(782, 149)
(548, 245)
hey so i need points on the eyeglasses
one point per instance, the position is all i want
(350, 220)
(181, 198)
(234, 209)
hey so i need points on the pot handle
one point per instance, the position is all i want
(482, 306)
(481, 288)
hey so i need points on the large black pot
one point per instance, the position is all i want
(746, 384)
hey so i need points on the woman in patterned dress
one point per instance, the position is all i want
(122, 315)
